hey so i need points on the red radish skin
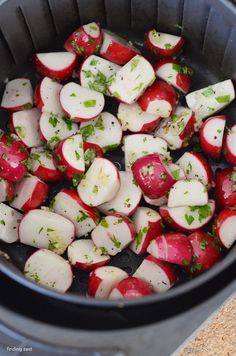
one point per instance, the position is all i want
(225, 189)
(42, 165)
(171, 44)
(91, 151)
(211, 135)
(6, 190)
(225, 227)
(229, 146)
(18, 95)
(130, 288)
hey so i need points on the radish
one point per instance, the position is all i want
(42, 268)
(91, 151)
(130, 82)
(174, 73)
(68, 204)
(126, 200)
(103, 280)
(100, 183)
(153, 176)
(85, 255)
(156, 202)
(95, 73)
(58, 65)
(172, 247)
(44, 229)
(139, 145)
(9, 222)
(225, 227)
(116, 49)
(42, 165)
(211, 135)
(81, 104)
(30, 193)
(134, 119)
(47, 96)
(129, 288)
(113, 234)
(85, 40)
(158, 274)
(25, 125)
(225, 189)
(178, 129)
(159, 99)
(148, 224)
(105, 131)
(163, 44)
(207, 101)
(6, 190)
(18, 95)
(188, 218)
(229, 146)
(176, 171)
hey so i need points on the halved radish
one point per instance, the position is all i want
(44, 229)
(139, 145)
(127, 199)
(80, 103)
(68, 204)
(100, 183)
(103, 280)
(211, 135)
(105, 131)
(9, 222)
(30, 193)
(176, 171)
(163, 44)
(6, 190)
(225, 189)
(47, 96)
(172, 247)
(225, 227)
(85, 255)
(158, 274)
(42, 267)
(91, 151)
(159, 99)
(95, 73)
(189, 192)
(18, 95)
(25, 124)
(129, 288)
(85, 40)
(58, 65)
(207, 101)
(42, 165)
(178, 129)
(130, 82)
(156, 202)
(229, 145)
(113, 234)
(148, 224)
(188, 218)
(116, 49)
(134, 119)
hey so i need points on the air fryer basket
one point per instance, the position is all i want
(28, 26)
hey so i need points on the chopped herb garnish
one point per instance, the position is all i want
(76, 179)
(61, 168)
(134, 63)
(116, 242)
(89, 155)
(82, 216)
(79, 49)
(53, 120)
(90, 103)
(104, 223)
(93, 62)
(53, 245)
(77, 155)
(140, 235)
(203, 244)
(185, 262)
(50, 230)
(99, 123)
(203, 211)
(176, 174)
(35, 157)
(21, 131)
(196, 267)
(87, 131)
(163, 176)
(189, 219)
(223, 99)
(219, 131)
(73, 95)
(168, 46)
(40, 230)
(208, 92)
(2, 222)
(95, 189)
(189, 168)
(138, 87)
(118, 221)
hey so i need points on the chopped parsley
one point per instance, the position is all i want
(203, 211)
(163, 176)
(116, 242)
(21, 131)
(223, 99)
(134, 63)
(140, 235)
(138, 87)
(82, 216)
(93, 62)
(203, 244)
(53, 245)
(189, 219)
(196, 267)
(73, 94)
(118, 221)
(104, 223)
(79, 49)
(95, 189)
(68, 122)
(87, 131)
(77, 155)
(176, 174)
(76, 179)
(168, 46)
(90, 103)
(127, 203)
(99, 123)
(35, 157)
(89, 155)
(185, 262)
(208, 92)
(40, 230)
(53, 120)
(2, 222)
(189, 168)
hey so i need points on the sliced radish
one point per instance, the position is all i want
(100, 183)
(42, 165)
(176, 171)
(225, 189)
(18, 95)
(42, 267)
(225, 227)
(6, 190)
(187, 193)
(129, 288)
(156, 202)
(91, 151)
(130, 82)
(47, 96)
(9, 222)
(44, 229)
(163, 44)
(229, 149)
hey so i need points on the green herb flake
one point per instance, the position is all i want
(168, 46)
(21, 131)
(95, 189)
(93, 62)
(176, 174)
(4, 156)
(52, 203)
(79, 49)
(223, 99)
(138, 87)
(104, 223)
(116, 94)
(77, 155)
(176, 67)
(73, 94)
(82, 216)
(2, 222)
(90, 103)
(99, 123)
(40, 230)
(134, 63)
(219, 131)
(203, 211)
(50, 230)
(163, 176)
(53, 245)
(27, 163)
(208, 92)
(89, 155)
(35, 157)
(61, 168)
(196, 267)
(118, 221)
(127, 203)
(91, 41)
(189, 168)
(185, 262)
(53, 120)
(110, 147)
(87, 131)
(76, 179)
(189, 219)
(203, 244)
(116, 242)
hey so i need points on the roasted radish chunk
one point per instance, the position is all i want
(130, 288)
(42, 165)
(9, 223)
(18, 95)
(211, 135)
(229, 148)
(225, 189)
(163, 44)
(47, 96)
(225, 227)
(156, 202)
(187, 193)
(6, 190)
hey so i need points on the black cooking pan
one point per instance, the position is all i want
(27, 26)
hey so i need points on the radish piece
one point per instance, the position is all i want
(188, 218)
(103, 280)
(130, 288)
(58, 65)
(47, 96)
(100, 183)
(187, 193)
(18, 95)
(91, 151)
(163, 44)
(105, 131)
(42, 267)
(9, 222)
(126, 200)
(229, 149)
(156, 202)
(116, 49)
(42, 165)
(85, 255)
(159, 99)
(158, 274)
(80, 103)
(68, 204)
(211, 135)
(44, 229)
(113, 234)
(139, 145)
(134, 119)
(178, 129)
(176, 171)
(148, 224)
(130, 82)
(95, 73)
(207, 101)
(172, 247)
(6, 190)
(225, 227)
(225, 189)
(25, 124)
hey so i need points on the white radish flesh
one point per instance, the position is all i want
(18, 95)
(40, 157)
(187, 193)
(9, 223)
(227, 231)
(6, 190)
(214, 131)
(163, 40)
(92, 29)
(72, 151)
(156, 202)
(56, 61)
(176, 171)
(48, 96)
